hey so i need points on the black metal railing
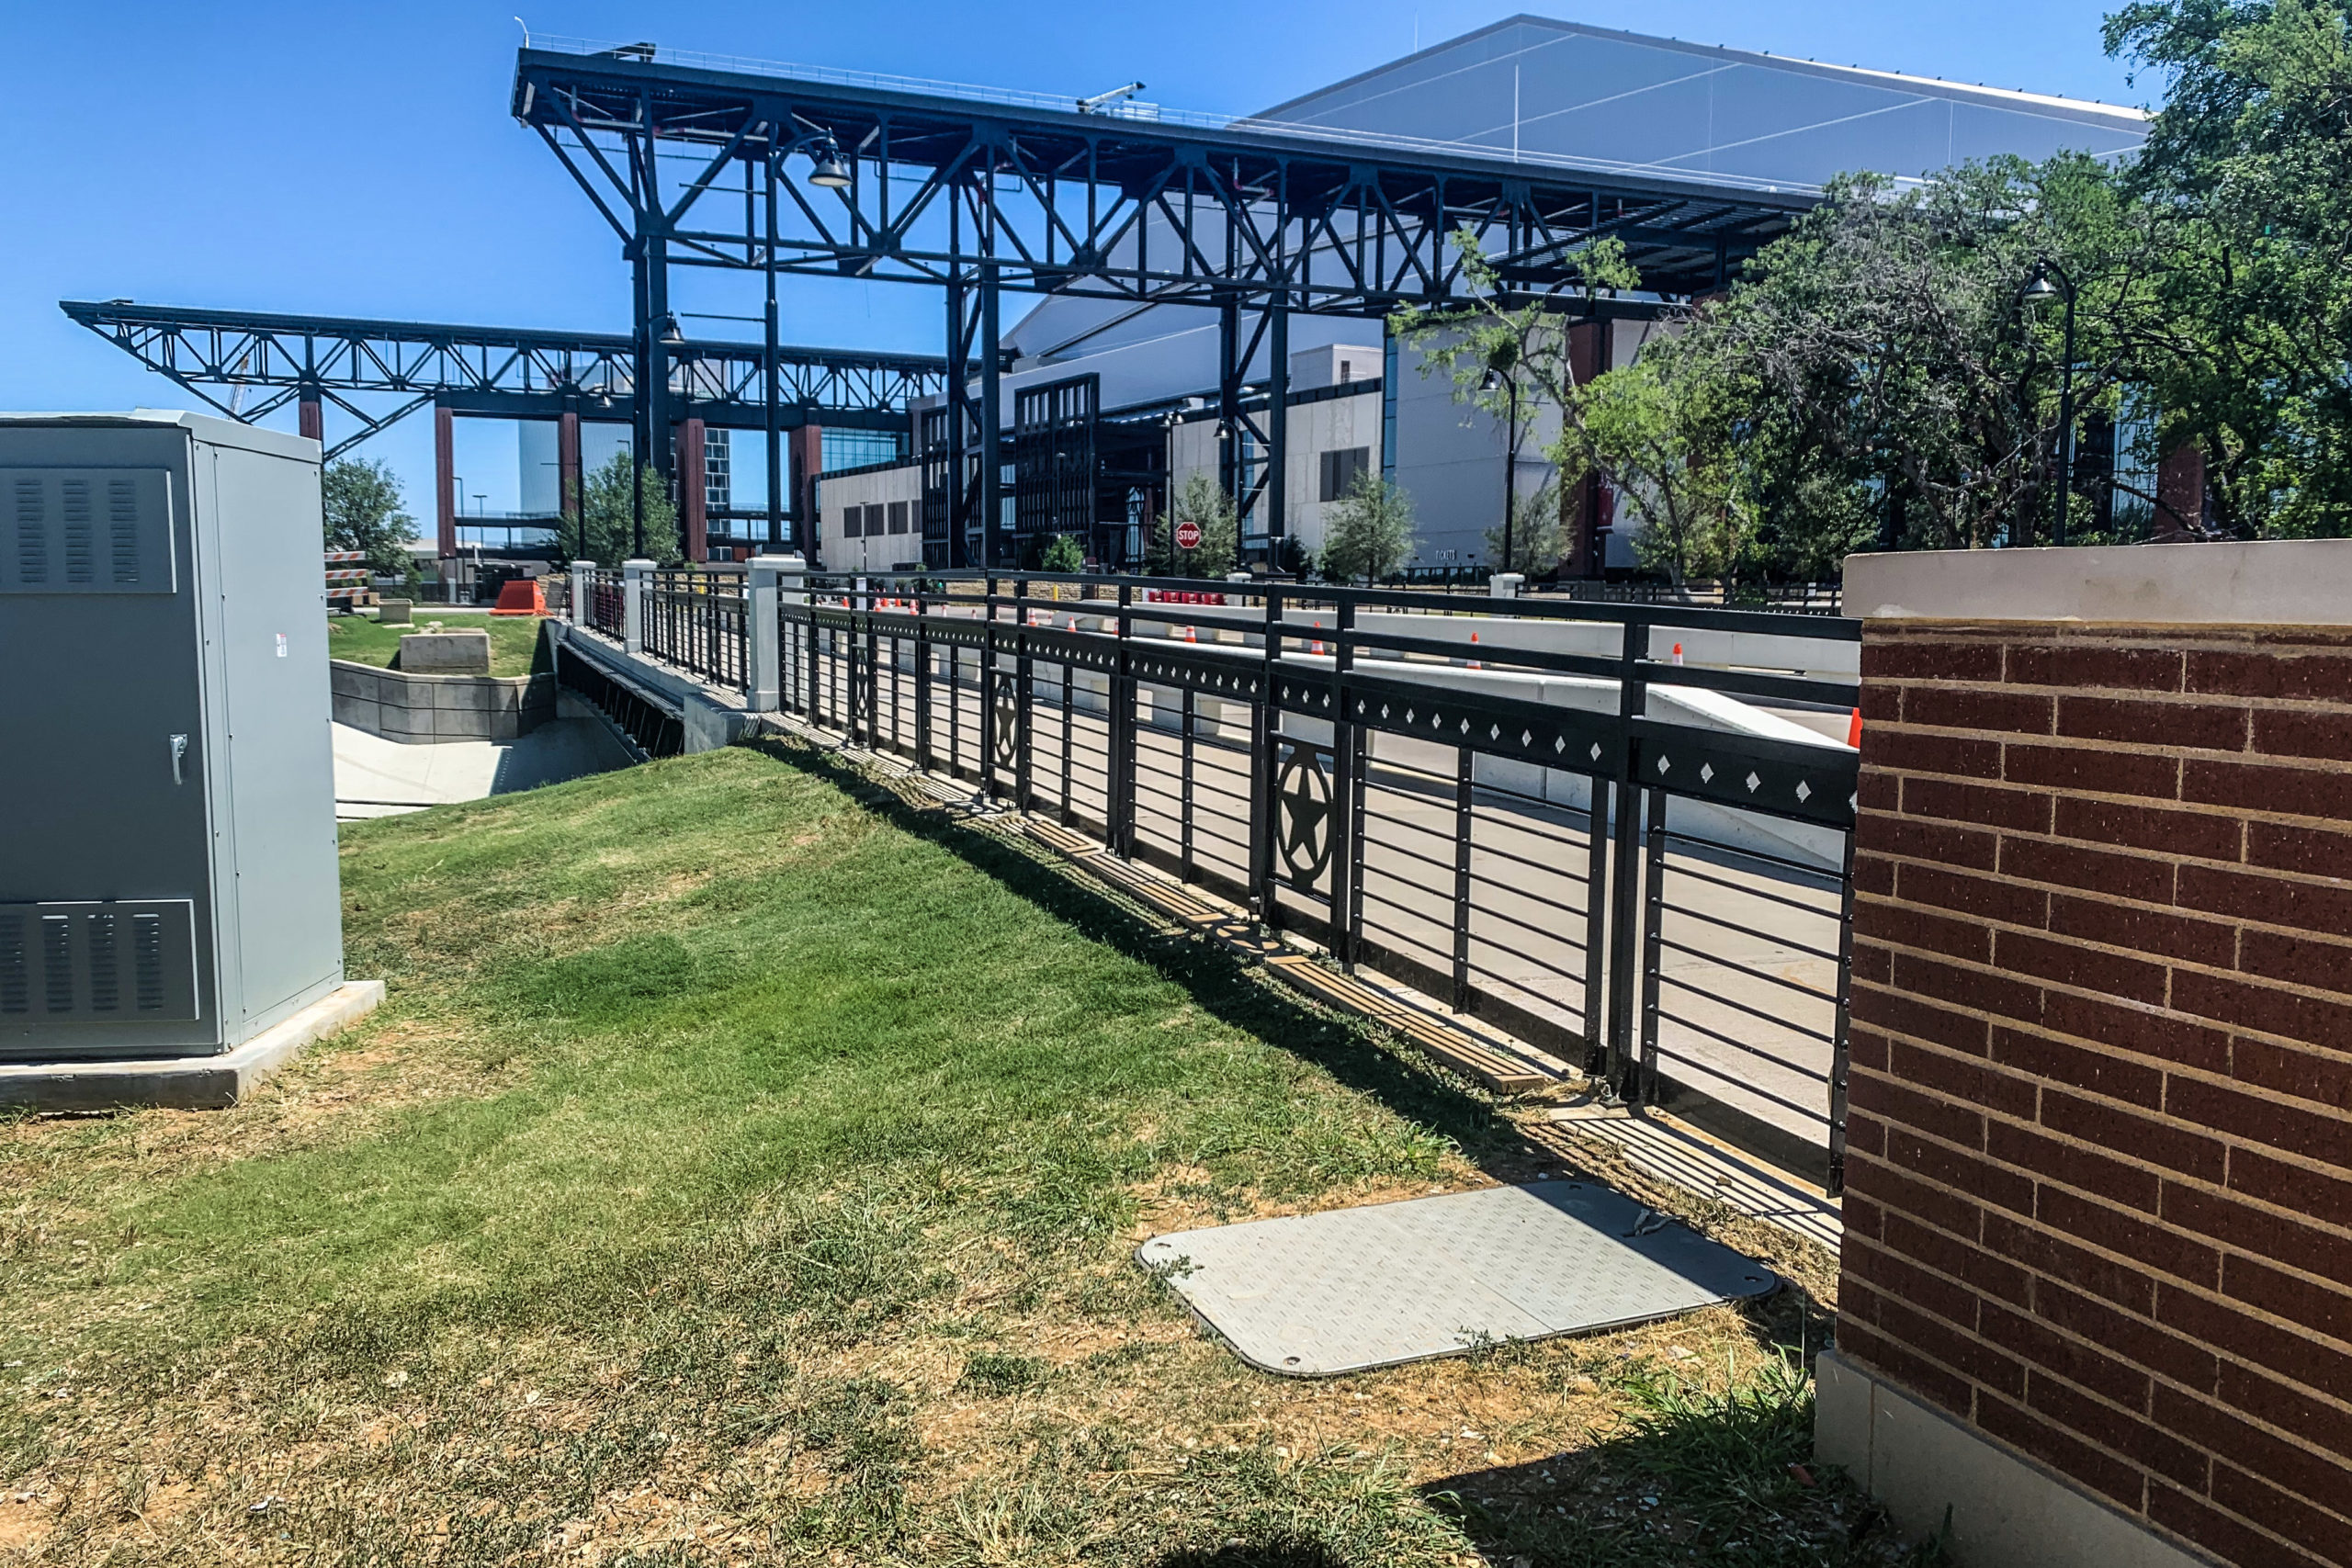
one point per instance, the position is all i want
(607, 603)
(696, 620)
(1634, 859)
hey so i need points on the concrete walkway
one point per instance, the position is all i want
(375, 777)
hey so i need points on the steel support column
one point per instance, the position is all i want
(1277, 429)
(311, 413)
(991, 423)
(1229, 479)
(959, 397)
(772, 380)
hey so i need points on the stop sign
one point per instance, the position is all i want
(1188, 536)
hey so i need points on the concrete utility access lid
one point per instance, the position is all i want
(1315, 1295)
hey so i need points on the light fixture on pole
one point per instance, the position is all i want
(671, 336)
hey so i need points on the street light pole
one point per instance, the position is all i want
(2035, 292)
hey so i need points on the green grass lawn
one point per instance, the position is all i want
(745, 1170)
(514, 639)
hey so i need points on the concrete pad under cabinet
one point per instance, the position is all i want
(186, 1083)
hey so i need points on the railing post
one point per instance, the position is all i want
(1653, 946)
(1021, 779)
(988, 681)
(1465, 780)
(764, 630)
(1119, 831)
(1625, 903)
(636, 577)
(922, 680)
(1265, 725)
(1344, 823)
(1840, 1045)
(583, 592)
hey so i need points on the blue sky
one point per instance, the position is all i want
(358, 159)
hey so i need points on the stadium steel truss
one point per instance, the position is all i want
(718, 166)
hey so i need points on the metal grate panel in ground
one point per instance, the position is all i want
(1318, 1295)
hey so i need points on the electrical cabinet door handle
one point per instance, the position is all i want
(179, 759)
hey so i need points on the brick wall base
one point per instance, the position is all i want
(1994, 1507)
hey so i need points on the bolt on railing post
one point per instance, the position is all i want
(636, 581)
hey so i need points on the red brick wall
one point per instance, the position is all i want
(2100, 1180)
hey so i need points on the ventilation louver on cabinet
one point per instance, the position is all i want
(86, 531)
(132, 961)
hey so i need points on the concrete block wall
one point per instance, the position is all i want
(2099, 1178)
(418, 708)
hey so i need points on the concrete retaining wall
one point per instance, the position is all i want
(414, 708)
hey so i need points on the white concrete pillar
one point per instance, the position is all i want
(637, 576)
(1507, 584)
(765, 590)
(583, 592)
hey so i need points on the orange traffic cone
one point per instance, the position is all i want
(1854, 731)
(1474, 663)
(1678, 653)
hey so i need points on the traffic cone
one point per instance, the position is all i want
(1474, 663)
(1678, 653)
(1854, 731)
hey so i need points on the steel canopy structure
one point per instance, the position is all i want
(698, 165)
(511, 373)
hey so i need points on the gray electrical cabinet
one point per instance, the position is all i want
(168, 882)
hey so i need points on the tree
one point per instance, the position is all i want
(364, 512)
(1535, 541)
(2245, 183)
(1063, 554)
(1368, 532)
(608, 519)
(1202, 502)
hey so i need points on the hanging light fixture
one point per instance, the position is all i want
(826, 166)
(671, 336)
(2040, 291)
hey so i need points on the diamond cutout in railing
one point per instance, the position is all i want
(1383, 710)
(1596, 750)
(1559, 743)
(1465, 726)
(1493, 732)
(1804, 790)
(1527, 738)
(1706, 772)
(1664, 763)
(1754, 784)
(1408, 714)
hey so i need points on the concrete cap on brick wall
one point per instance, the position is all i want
(2277, 583)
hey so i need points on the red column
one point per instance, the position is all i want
(693, 498)
(808, 461)
(568, 478)
(1587, 508)
(444, 485)
(313, 417)
(2180, 492)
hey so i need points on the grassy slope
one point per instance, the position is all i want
(514, 639)
(743, 1173)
